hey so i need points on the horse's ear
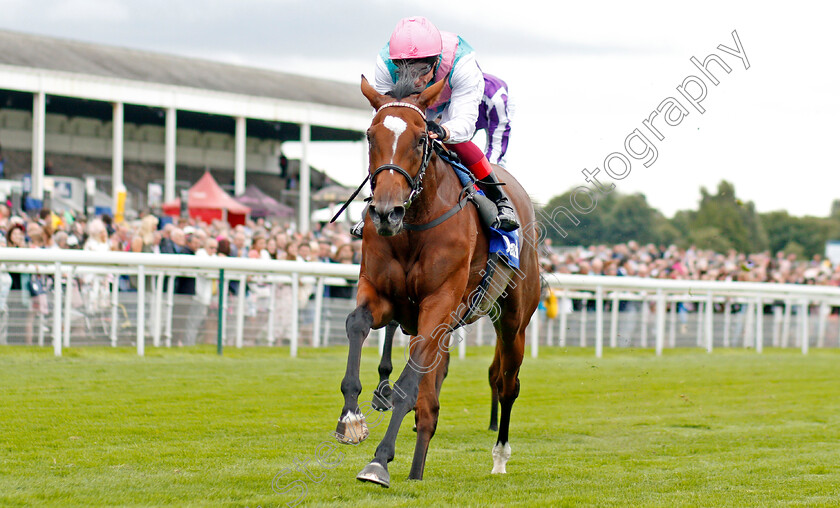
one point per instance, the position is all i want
(375, 98)
(430, 95)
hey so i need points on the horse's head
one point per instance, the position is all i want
(400, 150)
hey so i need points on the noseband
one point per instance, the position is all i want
(415, 183)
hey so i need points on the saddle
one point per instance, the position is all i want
(503, 253)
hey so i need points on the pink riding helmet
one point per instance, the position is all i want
(415, 37)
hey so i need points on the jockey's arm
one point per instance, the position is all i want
(460, 115)
(382, 81)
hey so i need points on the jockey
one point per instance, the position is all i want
(470, 100)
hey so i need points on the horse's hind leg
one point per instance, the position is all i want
(382, 395)
(511, 353)
(493, 376)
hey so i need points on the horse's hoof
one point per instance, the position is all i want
(375, 473)
(351, 429)
(501, 454)
(382, 398)
(493, 427)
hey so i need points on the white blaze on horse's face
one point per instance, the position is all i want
(397, 126)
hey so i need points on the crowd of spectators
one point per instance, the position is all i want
(332, 243)
(672, 262)
(258, 238)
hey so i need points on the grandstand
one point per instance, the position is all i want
(132, 117)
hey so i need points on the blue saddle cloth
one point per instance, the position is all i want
(507, 245)
(504, 243)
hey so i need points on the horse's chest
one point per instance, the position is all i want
(408, 283)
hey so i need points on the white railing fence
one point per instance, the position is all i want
(128, 298)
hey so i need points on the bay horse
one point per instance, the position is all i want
(423, 279)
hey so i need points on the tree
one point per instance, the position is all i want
(566, 225)
(710, 238)
(736, 221)
(807, 233)
(631, 218)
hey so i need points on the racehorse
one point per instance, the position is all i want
(422, 273)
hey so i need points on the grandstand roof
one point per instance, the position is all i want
(41, 52)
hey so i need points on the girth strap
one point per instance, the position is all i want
(440, 220)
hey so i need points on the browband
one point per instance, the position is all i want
(402, 105)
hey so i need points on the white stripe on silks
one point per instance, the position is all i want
(494, 141)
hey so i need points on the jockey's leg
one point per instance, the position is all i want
(357, 228)
(474, 159)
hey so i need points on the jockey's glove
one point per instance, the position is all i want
(437, 129)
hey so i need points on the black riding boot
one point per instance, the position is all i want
(506, 217)
(356, 230)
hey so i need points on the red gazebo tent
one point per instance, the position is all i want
(207, 201)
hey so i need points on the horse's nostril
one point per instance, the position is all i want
(396, 214)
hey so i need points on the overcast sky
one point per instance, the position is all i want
(583, 75)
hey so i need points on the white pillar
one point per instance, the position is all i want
(239, 156)
(759, 325)
(68, 301)
(117, 156)
(564, 317)
(295, 315)
(709, 325)
(599, 322)
(272, 310)
(115, 304)
(170, 161)
(535, 334)
(643, 340)
(57, 310)
(39, 134)
(170, 310)
(303, 206)
(803, 323)
(141, 310)
(583, 318)
(319, 307)
(614, 320)
(659, 343)
(727, 321)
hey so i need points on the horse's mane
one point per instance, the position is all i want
(407, 72)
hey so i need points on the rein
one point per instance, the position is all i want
(414, 183)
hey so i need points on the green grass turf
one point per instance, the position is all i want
(188, 428)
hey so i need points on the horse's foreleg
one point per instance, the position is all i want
(351, 428)
(426, 414)
(382, 395)
(425, 359)
(508, 384)
(493, 377)
(404, 398)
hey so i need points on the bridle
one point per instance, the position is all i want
(415, 183)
